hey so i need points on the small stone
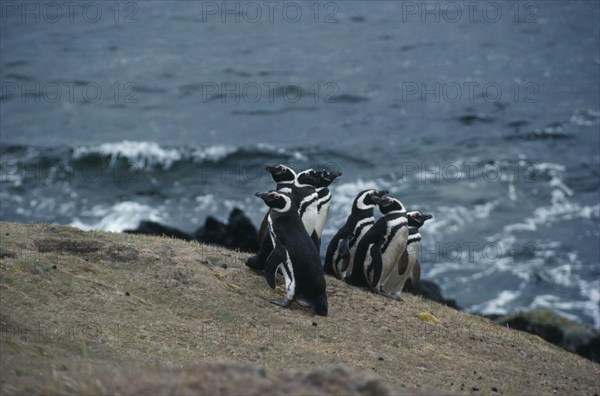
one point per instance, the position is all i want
(314, 323)
(54, 267)
(381, 358)
(127, 294)
(494, 389)
(474, 389)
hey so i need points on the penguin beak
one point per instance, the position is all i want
(376, 199)
(262, 196)
(427, 216)
(271, 168)
(381, 193)
(331, 176)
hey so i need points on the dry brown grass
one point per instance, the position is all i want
(118, 313)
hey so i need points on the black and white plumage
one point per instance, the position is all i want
(408, 265)
(323, 203)
(379, 251)
(302, 191)
(295, 254)
(284, 177)
(341, 249)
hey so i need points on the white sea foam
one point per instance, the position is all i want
(213, 153)
(139, 154)
(586, 117)
(144, 155)
(497, 305)
(452, 219)
(119, 217)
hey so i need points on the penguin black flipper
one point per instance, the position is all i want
(403, 263)
(416, 273)
(277, 256)
(376, 265)
(345, 253)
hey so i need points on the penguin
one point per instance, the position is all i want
(303, 193)
(284, 178)
(324, 200)
(379, 251)
(295, 254)
(409, 261)
(341, 249)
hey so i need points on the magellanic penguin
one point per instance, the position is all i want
(379, 251)
(323, 202)
(295, 253)
(304, 196)
(409, 261)
(341, 249)
(284, 177)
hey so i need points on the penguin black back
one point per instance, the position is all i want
(338, 255)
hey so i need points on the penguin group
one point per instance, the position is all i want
(378, 254)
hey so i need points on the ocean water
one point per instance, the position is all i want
(486, 116)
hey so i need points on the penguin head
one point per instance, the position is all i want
(281, 173)
(308, 178)
(417, 218)
(277, 201)
(389, 205)
(367, 199)
(326, 177)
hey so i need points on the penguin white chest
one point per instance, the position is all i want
(394, 244)
(309, 218)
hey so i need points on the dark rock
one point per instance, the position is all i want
(154, 228)
(591, 349)
(430, 291)
(239, 233)
(213, 231)
(567, 334)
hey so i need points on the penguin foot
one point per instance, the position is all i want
(388, 295)
(284, 304)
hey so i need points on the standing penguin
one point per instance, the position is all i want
(341, 249)
(295, 253)
(323, 202)
(409, 261)
(379, 251)
(302, 191)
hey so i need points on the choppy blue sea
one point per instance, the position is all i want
(486, 116)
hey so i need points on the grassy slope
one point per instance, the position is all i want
(89, 311)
